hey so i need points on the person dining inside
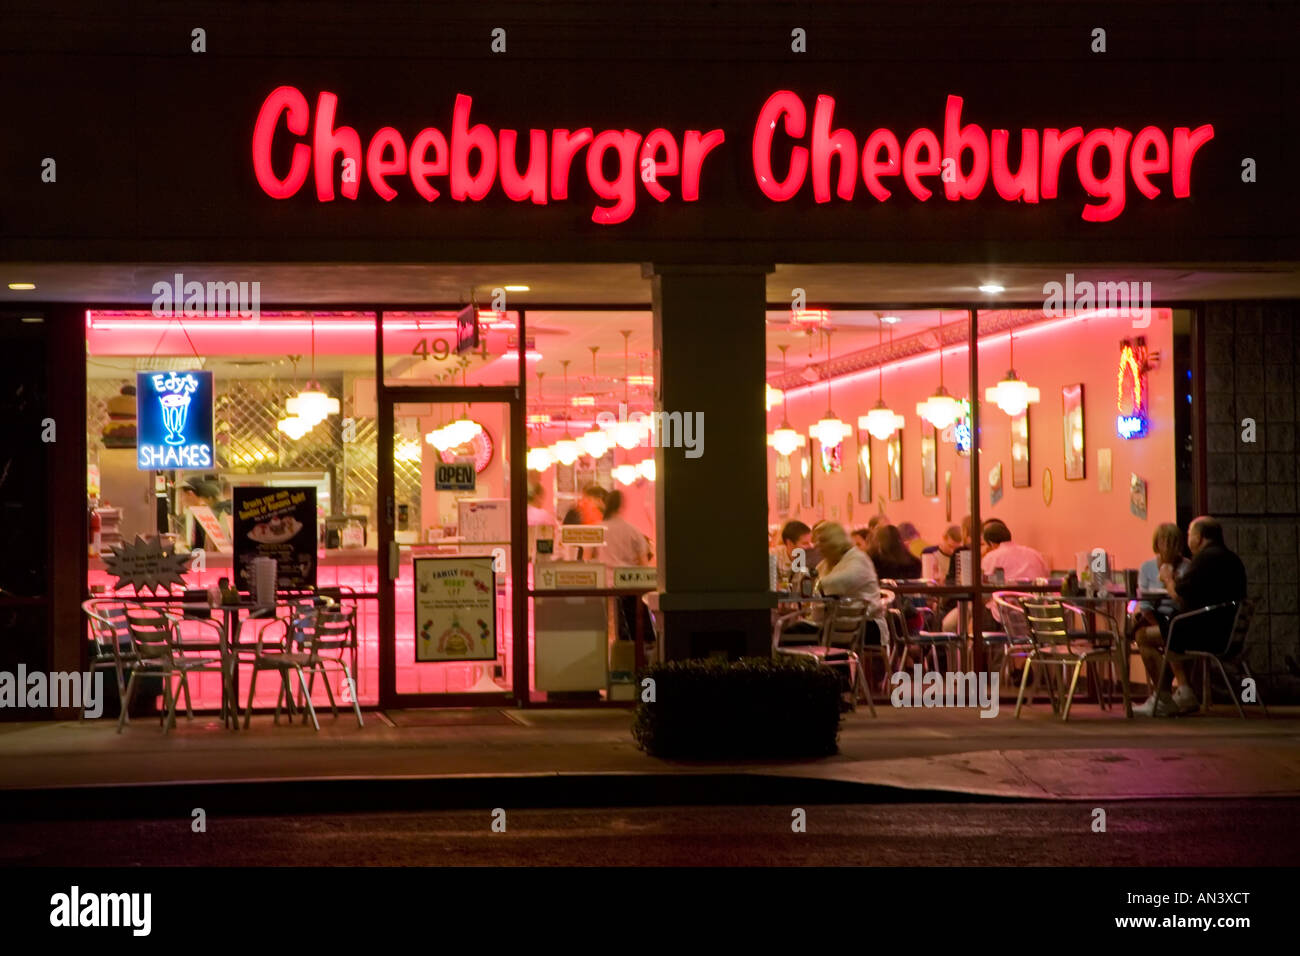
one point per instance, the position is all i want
(890, 556)
(846, 571)
(794, 535)
(1017, 562)
(1214, 575)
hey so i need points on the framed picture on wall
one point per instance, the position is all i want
(895, 459)
(1020, 450)
(783, 484)
(864, 468)
(564, 480)
(1072, 426)
(929, 460)
(806, 474)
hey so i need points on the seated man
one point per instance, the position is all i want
(1017, 562)
(1214, 576)
(794, 534)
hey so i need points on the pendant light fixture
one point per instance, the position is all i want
(785, 439)
(940, 409)
(313, 404)
(540, 458)
(646, 469)
(293, 425)
(624, 474)
(829, 430)
(464, 429)
(566, 451)
(881, 422)
(626, 432)
(595, 442)
(1012, 395)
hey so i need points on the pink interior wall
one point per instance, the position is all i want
(1080, 516)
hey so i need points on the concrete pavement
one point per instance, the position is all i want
(1097, 755)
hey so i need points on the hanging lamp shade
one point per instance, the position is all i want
(628, 434)
(1012, 395)
(881, 421)
(624, 474)
(785, 440)
(594, 443)
(312, 404)
(646, 469)
(293, 426)
(539, 459)
(830, 430)
(440, 439)
(566, 451)
(940, 409)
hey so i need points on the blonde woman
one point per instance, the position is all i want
(846, 571)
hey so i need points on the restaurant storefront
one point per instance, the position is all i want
(687, 225)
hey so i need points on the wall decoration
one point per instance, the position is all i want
(1131, 393)
(929, 460)
(783, 484)
(848, 508)
(995, 484)
(455, 609)
(1047, 486)
(947, 496)
(1072, 427)
(564, 480)
(1137, 496)
(864, 468)
(1103, 469)
(1020, 450)
(830, 456)
(895, 460)
(958, 433)
(806, 474)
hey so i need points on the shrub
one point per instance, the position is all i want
(754, 707)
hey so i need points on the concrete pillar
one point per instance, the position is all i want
(711, 510)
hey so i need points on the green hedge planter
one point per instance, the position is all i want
(754, 707)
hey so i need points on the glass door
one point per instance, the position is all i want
(448, 582)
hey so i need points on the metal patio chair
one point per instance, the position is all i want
(1233, 652)
(843, 630)
(279, 653)
(155, 635)
(1055, 644)
(110, 642)
(326, 636)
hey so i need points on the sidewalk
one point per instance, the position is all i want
(902, 754)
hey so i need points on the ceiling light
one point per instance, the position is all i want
(624, 474)
(32, 319)
(830, 430)
(539, 459)
(992, 288)
(646, 469)
(1011, 394)
(566, 451)
(940, 409)
(312, 404)
(890, 319)
(294, 427)
(774, 397)
(22, 286)
(515, 288)
(785, 440)
(881, 421)
(595, 443)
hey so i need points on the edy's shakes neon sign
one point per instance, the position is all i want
(957, 162)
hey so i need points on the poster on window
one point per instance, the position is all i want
(455, 609)
(277, 523)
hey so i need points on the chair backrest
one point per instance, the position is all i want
(328, 629)
(845, 624)
(106, 619)
(152, 631)
(1046, 617)
(1240, 630)
(1012, 615)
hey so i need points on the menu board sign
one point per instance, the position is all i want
(455, 609)
(277, 523)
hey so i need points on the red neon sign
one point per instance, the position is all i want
(474, 159)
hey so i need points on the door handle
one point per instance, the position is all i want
(394, 560)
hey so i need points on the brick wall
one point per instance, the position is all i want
(1251, 354)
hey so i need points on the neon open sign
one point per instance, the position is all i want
(173, 420)
(957, 161)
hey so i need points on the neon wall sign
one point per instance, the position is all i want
(173, 420)
(958, 161)
(1131, 392)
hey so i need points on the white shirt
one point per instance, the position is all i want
(1018, 562)
(854, 576)
(624, 544)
